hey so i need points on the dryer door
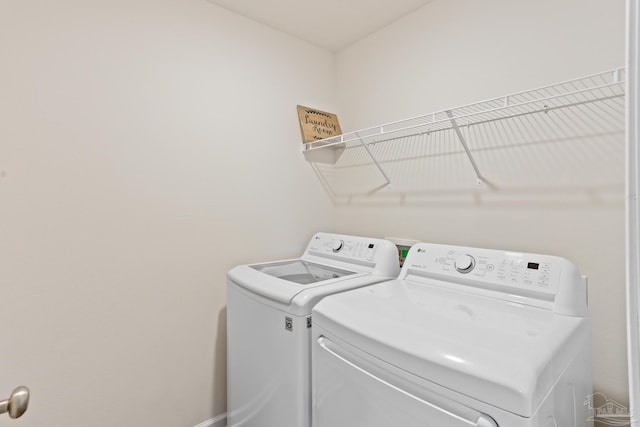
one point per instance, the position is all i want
(351, 390)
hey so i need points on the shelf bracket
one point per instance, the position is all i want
(463, 141)
(375, 162)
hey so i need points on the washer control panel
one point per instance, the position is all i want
(499, 270)
(344, 247)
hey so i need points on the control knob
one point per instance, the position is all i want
(464, 263)
(336, 245)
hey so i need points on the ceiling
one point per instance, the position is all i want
(331, 24)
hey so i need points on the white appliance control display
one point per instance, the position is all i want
(538, 273)
(351, 248)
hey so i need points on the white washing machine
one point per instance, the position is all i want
(269, 324)
(463, 337)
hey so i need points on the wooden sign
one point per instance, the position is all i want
(316, 124)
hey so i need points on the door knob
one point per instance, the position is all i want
(17, 403)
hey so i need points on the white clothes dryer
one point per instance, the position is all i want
(269, 324)
(463, 337)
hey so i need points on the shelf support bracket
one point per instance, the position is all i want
(375, 162)
(463, 141)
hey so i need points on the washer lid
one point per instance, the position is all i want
(284, 281)
(331, 263)
(301, 272)
(504, 354)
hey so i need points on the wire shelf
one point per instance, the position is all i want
(448, 149)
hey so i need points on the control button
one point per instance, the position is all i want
(337, 245)
(464, 263)
(490, 267)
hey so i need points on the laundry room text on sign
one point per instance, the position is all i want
(316, 124)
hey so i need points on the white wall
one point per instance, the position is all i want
(455, 52)
(145, 148)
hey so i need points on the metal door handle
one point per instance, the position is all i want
(17, 403)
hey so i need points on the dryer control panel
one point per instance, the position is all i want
(522, 276)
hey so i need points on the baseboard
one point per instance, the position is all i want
(219, 421)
